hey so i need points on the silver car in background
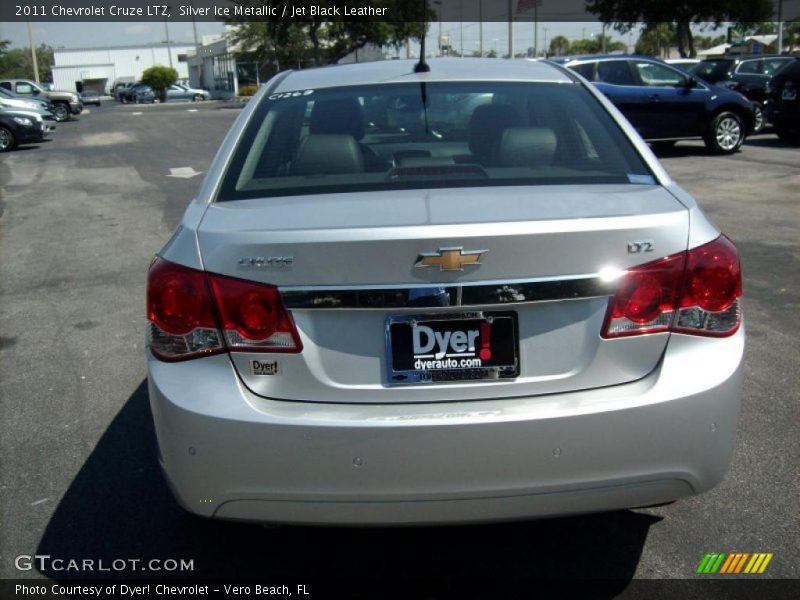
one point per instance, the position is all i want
(468, 294)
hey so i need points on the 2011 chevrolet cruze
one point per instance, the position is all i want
(467, 294)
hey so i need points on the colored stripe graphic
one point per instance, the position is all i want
(765, 563)
(734, 563)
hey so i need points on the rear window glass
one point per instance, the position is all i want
(712, 70)
(407, 136)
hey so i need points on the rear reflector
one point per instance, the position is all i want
(192, 313)
(696, 292)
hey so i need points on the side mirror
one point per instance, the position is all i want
(690, 82)
(36, 91)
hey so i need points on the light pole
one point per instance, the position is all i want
(169, 51)
(439, 38)
(780, 26)
(545, 40)
(33, 54)
(480, 27)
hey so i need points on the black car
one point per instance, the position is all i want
(783, 105)
(666, 104)
(138, 93)
(21, 127)
(747, 75)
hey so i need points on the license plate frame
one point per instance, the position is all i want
(789, 95)
(503, 359)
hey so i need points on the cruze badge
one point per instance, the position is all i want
(267, 262)
(449, 259)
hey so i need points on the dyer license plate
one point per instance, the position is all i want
(469, 346)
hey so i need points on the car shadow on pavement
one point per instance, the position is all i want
(119, 507)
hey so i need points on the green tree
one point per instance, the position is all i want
(16, 63)
(559, 46)
(656, 39)
(160, 78)
(625, 14)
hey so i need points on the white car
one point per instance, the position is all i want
(468, 294)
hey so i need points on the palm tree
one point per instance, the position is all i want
(559, 45)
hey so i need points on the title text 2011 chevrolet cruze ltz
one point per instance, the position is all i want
(468, 294)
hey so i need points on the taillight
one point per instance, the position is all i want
(180, 312)
(253, 316)
(712, 290)
(695, 292)
(192, 313)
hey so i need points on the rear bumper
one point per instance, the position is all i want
(230, 454)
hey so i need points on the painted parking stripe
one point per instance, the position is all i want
(136, 113)
(191, 110)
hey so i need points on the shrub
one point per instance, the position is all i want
(160, 78)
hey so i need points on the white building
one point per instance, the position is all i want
(98, 68)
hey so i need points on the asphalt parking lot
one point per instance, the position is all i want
(81, 216)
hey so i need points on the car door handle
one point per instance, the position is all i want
(654, 98)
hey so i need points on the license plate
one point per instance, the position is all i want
(789, 94)
(470, 346)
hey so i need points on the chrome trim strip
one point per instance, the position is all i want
(481, 293)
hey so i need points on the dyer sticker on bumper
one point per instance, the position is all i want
(467, 346)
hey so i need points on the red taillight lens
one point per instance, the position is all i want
(694, 292)
(645, 299)
(714, 277)
(181, 313)
(712, 290)
(185, 308)
(253, 316)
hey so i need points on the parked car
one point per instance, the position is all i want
(745, 74)
(64, 103)
(138, 93)
(506, 314)
(19, 126)
(180, 92)
(666, 104)
(90, 97)
(783, 104)
(682, 63)
(118, 88)
(13, 100)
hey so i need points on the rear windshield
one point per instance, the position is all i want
(712, 70)
(424, 135)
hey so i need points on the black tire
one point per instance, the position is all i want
(61, 112)
(123, 99)
(725, 134)
(758, 118)
(7, 141)
(197, 98)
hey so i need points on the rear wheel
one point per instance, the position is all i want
(7, 141)
(726, 134)
(61, 112)
(197, 98)
(758, 118)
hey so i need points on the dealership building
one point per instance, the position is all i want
(82, 69)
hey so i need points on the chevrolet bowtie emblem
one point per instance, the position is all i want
(449, 259)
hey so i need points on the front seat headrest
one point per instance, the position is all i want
(527, 147)
(341, 116)
(328, 155)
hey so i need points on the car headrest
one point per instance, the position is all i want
(343, 116)
(486, 127)
(527, 146)
(328, 154)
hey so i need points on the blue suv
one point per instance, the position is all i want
(666, 104)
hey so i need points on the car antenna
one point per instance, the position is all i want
(422, 66)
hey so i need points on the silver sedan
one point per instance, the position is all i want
(468, 294)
